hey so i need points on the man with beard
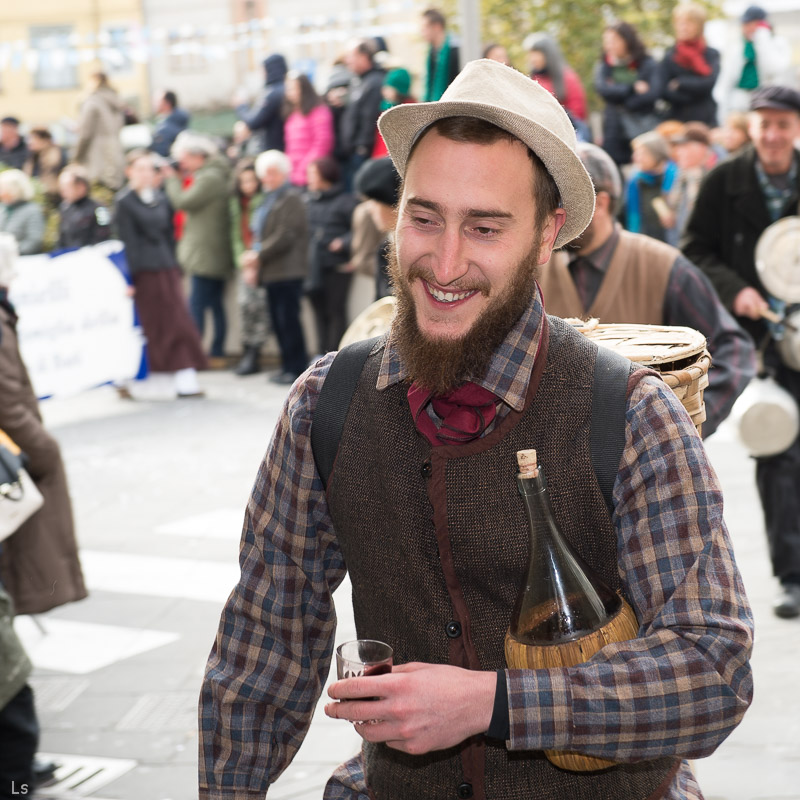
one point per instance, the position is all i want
(617, 276)
(421, 511)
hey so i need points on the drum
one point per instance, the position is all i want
(777, 257)
(679, 354)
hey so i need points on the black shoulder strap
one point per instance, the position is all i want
(333, 404)
(609, 403)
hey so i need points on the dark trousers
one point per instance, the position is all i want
(330, 309)
(283, 303)
(778, 481)
(208, 293)
(19, 738)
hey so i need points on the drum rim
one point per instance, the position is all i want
(374, 320)
(630, 340)
(774, 282)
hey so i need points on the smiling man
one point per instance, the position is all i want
(421, 510)
(737, 201)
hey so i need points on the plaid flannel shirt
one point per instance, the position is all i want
(679, 689)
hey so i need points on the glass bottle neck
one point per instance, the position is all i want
(563, 597)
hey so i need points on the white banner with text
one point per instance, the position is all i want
(76, 320)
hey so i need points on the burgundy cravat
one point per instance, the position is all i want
(465, 412)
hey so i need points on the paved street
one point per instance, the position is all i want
(159, 491)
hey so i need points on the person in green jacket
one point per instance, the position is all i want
(245, 200)
(204, 250)
(442, 62)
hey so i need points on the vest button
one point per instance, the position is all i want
(426, 469)
(453, 630)
(464, 790)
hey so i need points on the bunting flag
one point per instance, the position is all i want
(119, 46)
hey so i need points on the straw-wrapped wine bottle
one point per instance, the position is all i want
(565, 612)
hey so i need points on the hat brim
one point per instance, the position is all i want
(776, 105)
(402, 125)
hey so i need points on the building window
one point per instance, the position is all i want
(56, 61)
(115, 51)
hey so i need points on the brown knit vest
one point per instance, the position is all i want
(632, 290)
(436, 543)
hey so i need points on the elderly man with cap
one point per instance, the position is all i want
(618, 276)
(420, 508)
(737, 201)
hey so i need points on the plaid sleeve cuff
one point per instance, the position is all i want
(539, 709)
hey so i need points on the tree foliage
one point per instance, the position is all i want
(577, 25)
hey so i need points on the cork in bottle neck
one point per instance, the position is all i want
(528, 465)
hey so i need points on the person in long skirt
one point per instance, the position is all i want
(143, 219)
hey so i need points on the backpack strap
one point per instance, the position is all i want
(609, 404)
(333, 404)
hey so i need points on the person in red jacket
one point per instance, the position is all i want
(548, 67)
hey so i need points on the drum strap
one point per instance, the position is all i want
(609, 403)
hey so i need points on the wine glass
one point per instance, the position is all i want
(363, 657)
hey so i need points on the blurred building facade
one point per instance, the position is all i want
(49, 48)
(204, 50)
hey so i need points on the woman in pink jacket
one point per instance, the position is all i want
(308, 129)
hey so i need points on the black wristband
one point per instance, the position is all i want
(499, 727)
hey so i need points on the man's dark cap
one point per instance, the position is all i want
(377, 179)
(9, 121)
(754, 14)
(782, 98)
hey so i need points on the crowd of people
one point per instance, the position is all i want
(694, 158)
(659, 125)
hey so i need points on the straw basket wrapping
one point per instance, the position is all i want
(678, 353)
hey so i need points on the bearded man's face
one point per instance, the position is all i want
(464, 264)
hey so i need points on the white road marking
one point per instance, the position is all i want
(157, 576)
(82, 647)
(222, 523)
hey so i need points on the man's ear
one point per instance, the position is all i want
(602, 200)
(554, 225)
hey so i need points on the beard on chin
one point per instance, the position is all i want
(441, 364)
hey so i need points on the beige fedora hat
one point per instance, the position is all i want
(505, 97)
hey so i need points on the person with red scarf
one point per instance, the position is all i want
(690, 69)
